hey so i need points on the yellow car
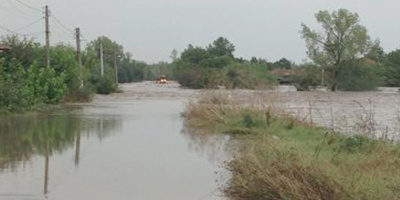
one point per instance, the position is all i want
(162, 80)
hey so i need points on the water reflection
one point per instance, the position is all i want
(24, 137)
(214, 146)
(217, 148)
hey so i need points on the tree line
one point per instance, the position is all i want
(342, 57)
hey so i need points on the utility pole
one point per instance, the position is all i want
(101, 57)
(46, 168)
(116, 68)
(78, 53)
(47, 15)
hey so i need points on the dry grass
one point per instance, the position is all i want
(278, 175)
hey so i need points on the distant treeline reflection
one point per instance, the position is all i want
(22, 137)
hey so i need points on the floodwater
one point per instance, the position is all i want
(373, 113)
(133, 145)
(122, 146)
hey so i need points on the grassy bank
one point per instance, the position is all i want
(280, 157)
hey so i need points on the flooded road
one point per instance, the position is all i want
(133, 145)
(122, 146)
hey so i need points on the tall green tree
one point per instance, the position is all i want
(221, 47)
(196, 56)
(392, 68)
(25, 51)
(111, 50)
(342, 40)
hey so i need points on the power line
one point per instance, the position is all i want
(17, 8)
(62, 25)
(8, 30)
(34, 34)
(29, 6)
(21, 34)
(62, 31)
(60, 34)
(30, 24)
(18, 14)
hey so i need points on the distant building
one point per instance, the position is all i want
(4, 48)
(285, 75)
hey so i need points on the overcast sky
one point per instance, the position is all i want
(150, 29)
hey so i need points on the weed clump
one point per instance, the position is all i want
(281, 175)
(357, 144)
(248, 121)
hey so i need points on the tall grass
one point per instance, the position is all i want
(282, 157)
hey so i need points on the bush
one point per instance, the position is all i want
(104, 85)
(47, 86)
(15, 96)
(308, 77)
(248, 76)
(360, 75)
(191, 78)
(22, 90)
(392, 69)
(234, 76)
(248, 121)
(84, 94)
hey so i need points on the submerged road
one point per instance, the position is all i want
(130, 145)
(133, 144)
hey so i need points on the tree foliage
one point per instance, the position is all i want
(342, 40)
(216, 66)
(392, 68)
(360, 75)
(221, 47)
(25, 83)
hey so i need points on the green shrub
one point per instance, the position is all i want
(15, 96)
(234, 76)
(357, 144)
(104, 85)
(392, 69)
(248, 121)
(308, 77)
(22, 89)
(48, 87)
(361, 75)
(248, 76)
(191, 78)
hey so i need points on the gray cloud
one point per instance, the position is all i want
(150, 29)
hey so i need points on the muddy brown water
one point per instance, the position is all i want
(133, 145)
(122, 146)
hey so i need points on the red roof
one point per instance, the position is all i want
(282, 72)
(4, 47)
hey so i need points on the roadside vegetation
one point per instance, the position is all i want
(26, 84)
(281, 157)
